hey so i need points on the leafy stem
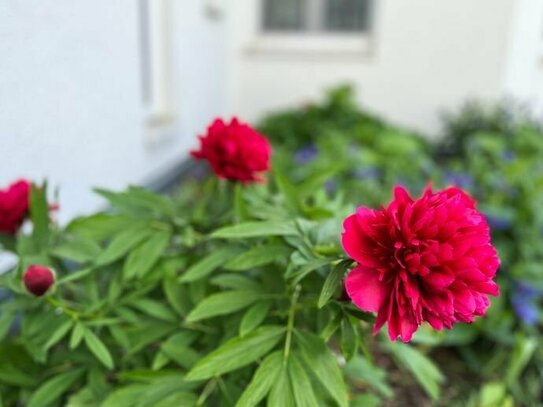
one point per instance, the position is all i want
(58, 304)
(290, 322)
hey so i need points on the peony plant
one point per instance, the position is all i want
(237, 292)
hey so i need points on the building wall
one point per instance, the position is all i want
(523, 75)
(426, 56)
(71, 107)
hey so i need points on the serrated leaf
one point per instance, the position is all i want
(209, 263)
(222, 304)
(59, 333)
(323, 364)
(122, 242)
(54, 388)
(262, 381)
(256, 229)
(332, 282)
(237, 352)
(97, 347)
(301, 384)
(144, 257)
(258, 256)
(253, 317)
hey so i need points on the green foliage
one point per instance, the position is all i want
(231, 295)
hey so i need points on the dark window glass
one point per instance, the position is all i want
(283, 15)
(317, 15)
(347, 15)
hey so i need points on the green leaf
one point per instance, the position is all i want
(177, 295)
(332, 282)
(256, 229)
(5, 323)
(237, 352)
(75, 275)
(179, 399)
(11, 375)
(154, 308)
(59, 333)
(308, 268)
(422, 368)
(99, 226)
(323, 364)
(143, 258)
(177, 350)
(123, 242)
(236, 282)
(209, 263)
(80, 250)
(258, 256)
(222, 304)
(288, 190)
(301, 384)
(54, 388)
(254, 317)
(522, 353)
(39, 213)
(349, 339)
(281, 392)
(98, 348)
(262, 380)
(360, 369)
(127, 396)
(366, 400)
(77, 335)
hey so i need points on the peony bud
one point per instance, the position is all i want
(38, 279)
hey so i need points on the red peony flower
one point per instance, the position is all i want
(38, 279)
(428, 259)
(235, 151)
(14, 204)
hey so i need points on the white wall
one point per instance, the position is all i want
(524, 71)
(71, 107)
(427, 56)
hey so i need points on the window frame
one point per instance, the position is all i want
(304, 42)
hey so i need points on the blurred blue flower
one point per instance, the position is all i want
(498, 222)
(306, 154)
(367, 173)
(330, 186)
(460, 179)
(508, 155)
(524, 302)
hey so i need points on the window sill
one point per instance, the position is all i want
(309, 44)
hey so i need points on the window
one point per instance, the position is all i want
(316, 16)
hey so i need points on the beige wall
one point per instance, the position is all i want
(425, 56)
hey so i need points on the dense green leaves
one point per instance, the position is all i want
(223, 303)
(262, 381)
(98, 348)
(258, 256)
(332, 282)
(256, 229)
(52, 389)
(141, 260)
(206, 265)
(422, 368)
(237, 352)
(323, 364)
